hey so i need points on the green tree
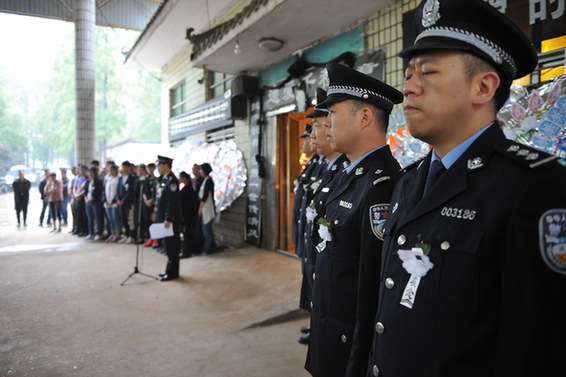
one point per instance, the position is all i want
(126, 102)
(13, 141)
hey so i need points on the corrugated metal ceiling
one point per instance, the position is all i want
(127, 14)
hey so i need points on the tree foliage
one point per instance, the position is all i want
(126, 105)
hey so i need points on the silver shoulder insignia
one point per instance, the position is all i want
(386, 178)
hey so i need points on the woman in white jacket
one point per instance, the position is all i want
(207, 209)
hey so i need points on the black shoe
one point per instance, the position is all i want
(306, 329)
(184, 256)
(305, 339)
(162, 274)
(167, 277)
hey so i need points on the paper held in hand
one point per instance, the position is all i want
(158, 230)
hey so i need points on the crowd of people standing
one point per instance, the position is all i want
(117, 204)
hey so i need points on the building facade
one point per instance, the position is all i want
(248, 75)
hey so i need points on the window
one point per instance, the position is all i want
(218, 84)
(221, 134)
(179, 100)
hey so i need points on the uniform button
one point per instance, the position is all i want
(401, 240)
(344, 338)
(379, 328)
(312, 305)
(445, 245)
(313, 276)
(306, 260)
(389, 283)
(320, 202)
(299, 221)
(375, 371)
(336, 222)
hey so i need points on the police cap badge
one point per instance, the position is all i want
(477, 27)
(347, 83)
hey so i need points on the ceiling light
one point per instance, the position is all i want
(270, 44)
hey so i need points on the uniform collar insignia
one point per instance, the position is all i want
(359, 171)
(475, 163)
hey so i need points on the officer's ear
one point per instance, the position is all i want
(365, 117)
(484, 86)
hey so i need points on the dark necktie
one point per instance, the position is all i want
(434, 174)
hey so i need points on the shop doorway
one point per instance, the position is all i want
(289, 164)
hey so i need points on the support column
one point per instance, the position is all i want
(85, 47)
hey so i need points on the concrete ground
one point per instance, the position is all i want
(63, 311)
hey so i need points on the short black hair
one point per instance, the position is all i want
(184, 175)
(206, 168)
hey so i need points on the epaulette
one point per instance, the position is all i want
(415, 164)
(524, 155)
(380, 178)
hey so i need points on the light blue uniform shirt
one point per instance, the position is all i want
(452, 156)
(353, 164)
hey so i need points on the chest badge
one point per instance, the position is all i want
(378, 214)
(552, 237)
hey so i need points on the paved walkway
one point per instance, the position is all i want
(63, 311)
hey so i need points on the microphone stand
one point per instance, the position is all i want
(136, 269)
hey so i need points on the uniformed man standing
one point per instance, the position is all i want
(336, 163)
(302, 194)
(474, 271)
(351, 231)
(168, 212)
(302, 183)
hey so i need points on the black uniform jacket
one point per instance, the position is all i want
(347, 268)
(492, 304)
(168, 200)
(317, 208)
(302, 195)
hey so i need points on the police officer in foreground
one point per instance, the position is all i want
(336, 163)
(344, 295)
(474, 271)
(168, 212)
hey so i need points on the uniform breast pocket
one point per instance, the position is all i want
(344, 237)
(456, 270)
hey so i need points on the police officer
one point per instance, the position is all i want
(344, 295)
(168, 211)
(301, 183)
(336, 162)
(302, 194)
(474, 274)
